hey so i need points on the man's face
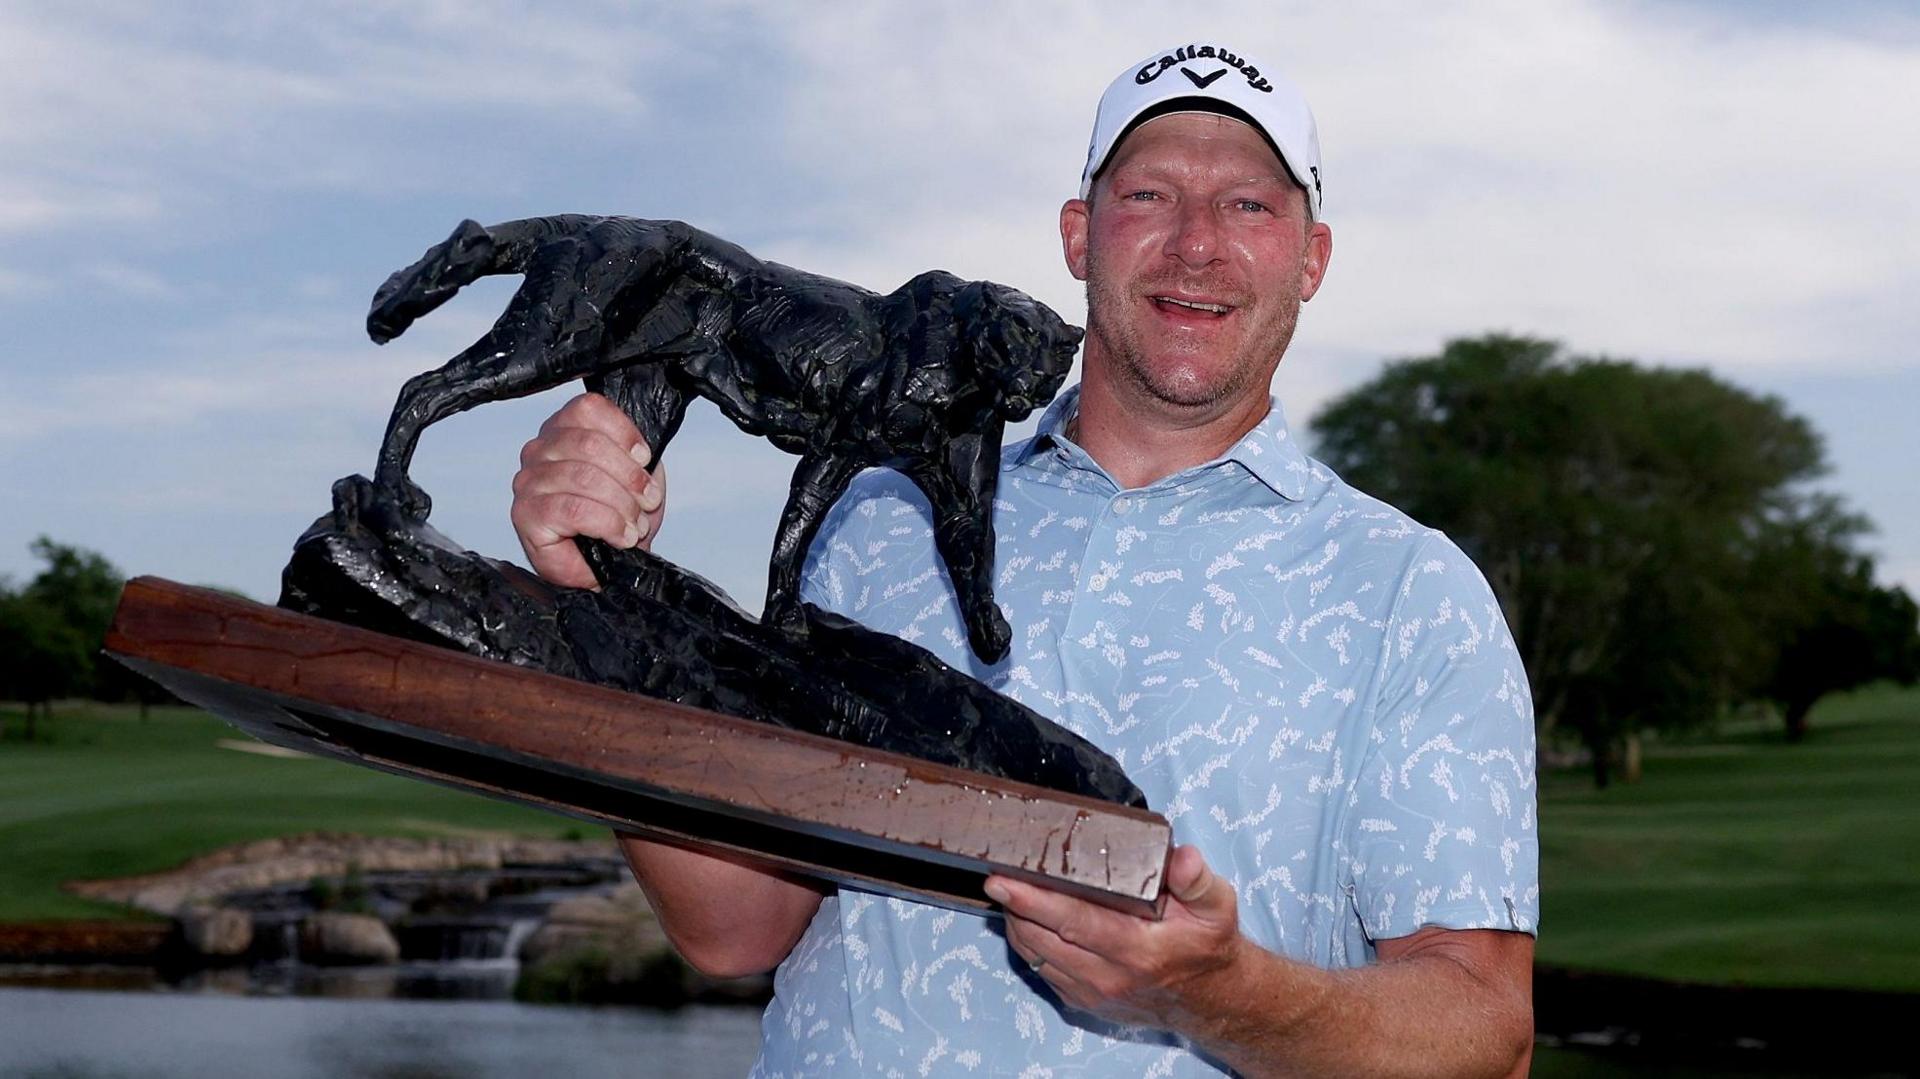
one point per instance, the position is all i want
(1197, 254)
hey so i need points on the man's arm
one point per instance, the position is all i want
(585, 474)
(727, 919)
(1439, 1002)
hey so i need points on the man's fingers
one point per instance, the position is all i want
(559, 561)
(586, 481)
(1059, 963)
(1207, 897)
(1081, 978)
(547, 524)
(584, 474)
(564, 514)
(1033, 941)
(653, 506)
(562, 564)
(594, 412)
(654, 495)
(1188, 878)
(1075, 921)
(588, 446)
(1115, 964)
(591, 429)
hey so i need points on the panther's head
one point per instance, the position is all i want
(1020, 350)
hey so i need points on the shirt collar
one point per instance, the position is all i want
(1268, 451)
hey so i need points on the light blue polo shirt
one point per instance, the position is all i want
(1318, 692)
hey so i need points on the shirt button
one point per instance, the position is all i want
(1122, 505)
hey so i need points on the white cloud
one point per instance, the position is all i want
(1631, 184)
(114, 112)
(245, 364)
(17, 284)
(1670, 182)
(130, 280)
(27, 208)
(1633, 180)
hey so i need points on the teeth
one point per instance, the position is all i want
(1218, 309)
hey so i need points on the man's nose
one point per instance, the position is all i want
(1196, 235)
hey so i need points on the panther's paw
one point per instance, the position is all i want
(789, 617)
(990, 635)
(406, 496)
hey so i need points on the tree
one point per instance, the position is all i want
(80, 589)
(1613, 507)
(1835, 628)
(42, 657)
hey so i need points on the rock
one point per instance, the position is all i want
(619, 924)
(332, 938)
(459, 893)
(215, 932)
(295, 859)
(622, 907)
(599, 911)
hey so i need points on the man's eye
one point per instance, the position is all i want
(1252, 206)
(1143, 196)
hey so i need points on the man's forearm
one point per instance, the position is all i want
(726, 918)
(1429, 1010)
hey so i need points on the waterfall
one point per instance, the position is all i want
(517, 934)
(475, 940)
(460, 932)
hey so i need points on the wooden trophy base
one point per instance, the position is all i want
(861, 817)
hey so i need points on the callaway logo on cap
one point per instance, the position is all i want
(1209, 78)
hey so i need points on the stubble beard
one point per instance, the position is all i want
(1180, 385)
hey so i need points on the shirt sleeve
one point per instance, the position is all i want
(1442, 829)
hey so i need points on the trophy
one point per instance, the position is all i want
(654, 704)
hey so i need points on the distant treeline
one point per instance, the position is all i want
(1653, 536)
(51, 631)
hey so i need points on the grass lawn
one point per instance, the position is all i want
(103, 794)
(1744, 859)
(1736, 859)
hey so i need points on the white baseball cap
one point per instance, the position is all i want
(1209, 78)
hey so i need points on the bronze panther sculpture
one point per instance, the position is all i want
(652, 313)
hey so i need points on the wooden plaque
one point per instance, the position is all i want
(861, 817)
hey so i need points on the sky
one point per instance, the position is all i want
(197, 202)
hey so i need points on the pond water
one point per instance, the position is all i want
(89, 1034)
(97, 1034)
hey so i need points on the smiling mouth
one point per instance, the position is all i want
(1193, 305)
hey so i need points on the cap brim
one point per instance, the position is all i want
(1194, 103)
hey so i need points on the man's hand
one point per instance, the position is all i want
(1440, 1002)
(1124, 968)
(585, 474)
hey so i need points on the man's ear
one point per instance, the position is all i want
(1075, 216)
(1313, 267)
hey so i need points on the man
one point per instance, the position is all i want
(1320, 694)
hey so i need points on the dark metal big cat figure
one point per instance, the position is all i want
(651, 313)
(654, 313)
